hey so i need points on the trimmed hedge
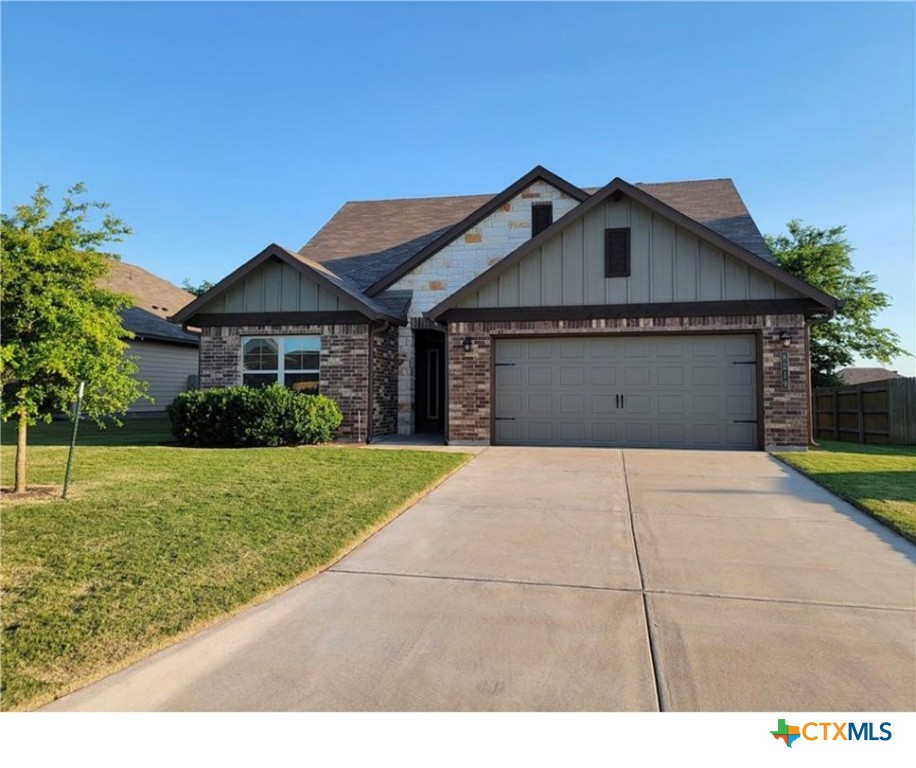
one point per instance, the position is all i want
(246, 417)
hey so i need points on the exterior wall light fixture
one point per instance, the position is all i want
(786, 338)
(467, 344)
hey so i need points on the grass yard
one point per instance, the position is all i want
(878, 479)
(156, 541)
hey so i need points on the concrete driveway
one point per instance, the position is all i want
(575, 579)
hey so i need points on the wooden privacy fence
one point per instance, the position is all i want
(878, 412)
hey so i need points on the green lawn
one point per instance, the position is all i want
(878, 479)
(156, 541)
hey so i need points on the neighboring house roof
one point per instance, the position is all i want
(368, 241)
(342, 287)
(150, 292)
(148, 326)
(620, 187)
(154, 300)
(853, 376)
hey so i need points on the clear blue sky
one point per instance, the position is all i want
(215, 129)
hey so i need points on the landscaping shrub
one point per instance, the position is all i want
(245, 417)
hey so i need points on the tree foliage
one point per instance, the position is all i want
(823, 258)
(58, 325)
(198, 290)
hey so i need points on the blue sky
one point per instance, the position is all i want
(215, 129)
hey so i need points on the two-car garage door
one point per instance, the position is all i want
(690, 391)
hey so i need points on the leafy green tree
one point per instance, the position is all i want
(823, 258)
(198, 290)
(58, 325)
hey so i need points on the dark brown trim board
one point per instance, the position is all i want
(761, 435)
(614, 311)
(222, 320)
(516, 188)
(619, 186)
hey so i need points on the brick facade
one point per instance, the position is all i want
(344, 364)
(784, 412)
(385, 381)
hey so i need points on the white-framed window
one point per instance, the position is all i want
(291, 360)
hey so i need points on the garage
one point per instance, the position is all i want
(664, 391)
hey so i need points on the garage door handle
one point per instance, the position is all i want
(744, 362)
(499, 365)
(744, 421)
(622, 403)
(504, 418)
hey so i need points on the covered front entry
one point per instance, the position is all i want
(675, 391)
(429, 386)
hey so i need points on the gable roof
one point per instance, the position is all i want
(339, 286)
(375, 243)
(619, 187)
(367, 240)
(154, 300)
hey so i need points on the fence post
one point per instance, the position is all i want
(860, 408)
(836, 415)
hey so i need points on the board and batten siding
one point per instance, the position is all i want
(275, 287)
(667, 264)
(166, 367)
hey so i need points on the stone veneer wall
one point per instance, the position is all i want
(785, 412)
(480, 247)
(385, 381)
(344, 364)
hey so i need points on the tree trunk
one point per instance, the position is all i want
(20, 453)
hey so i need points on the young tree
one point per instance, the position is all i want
(822, 257)
(58, 326)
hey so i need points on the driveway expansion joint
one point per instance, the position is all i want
(660, 700)
(783, 600)
(483, 580)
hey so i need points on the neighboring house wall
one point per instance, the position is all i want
(667, 264)
(480, 247)
(784, 412)
(385, 381)
(166, 368)
(344, 364)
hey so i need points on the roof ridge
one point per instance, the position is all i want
(415, 199)
(684, 181)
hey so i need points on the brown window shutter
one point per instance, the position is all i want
(617, 252)
(541, 217)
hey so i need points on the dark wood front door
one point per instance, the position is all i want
(429, 393)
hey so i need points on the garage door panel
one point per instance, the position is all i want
(602, 376)
(669, 376)
(740, 347)
(669, 404)
(678, 391)
(540, 404)
(672, 435)
(540, 376)
(572, 377)
(638, 405)
(636, 376)
(740, 375)
(572, 404)
(602, 404)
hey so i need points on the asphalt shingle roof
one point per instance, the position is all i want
(365, 240)
(154, 300)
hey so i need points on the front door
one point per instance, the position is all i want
(430, 381)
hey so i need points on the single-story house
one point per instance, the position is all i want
(547, 314)
(165, 353)
(854, 376)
